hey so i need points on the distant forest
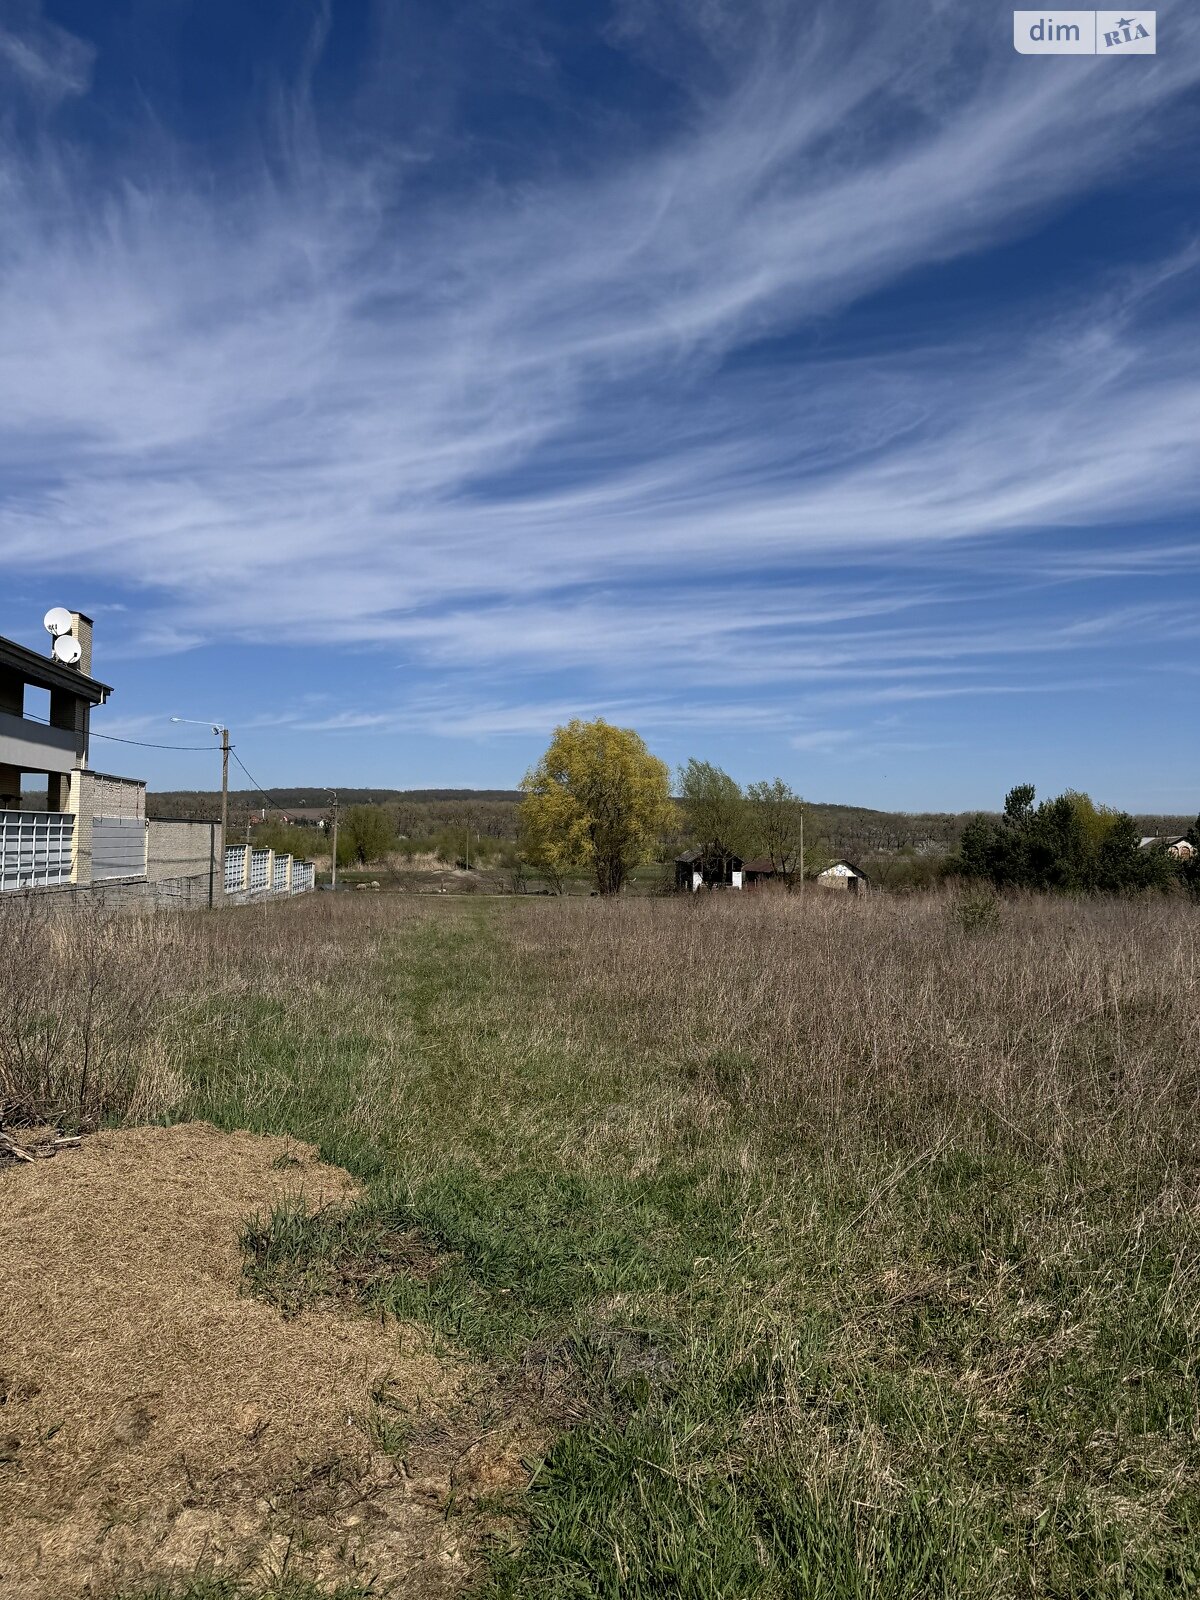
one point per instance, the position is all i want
(414, 813)
(856, 832)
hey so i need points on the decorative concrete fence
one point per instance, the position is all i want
(262, 874)
(260, 870)
(42, 850)
(35, 849)
(109, 857)
(237, 869)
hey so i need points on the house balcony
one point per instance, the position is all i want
(29, 747)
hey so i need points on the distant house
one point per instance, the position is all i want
(844, 876)
(708, 867)
(1180, 847)
(761, 869)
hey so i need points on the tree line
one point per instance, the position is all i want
(429, 816)
(1069, 844)
(600, 803)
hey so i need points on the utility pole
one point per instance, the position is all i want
(224, 792)
(222, 733)
(802, 852)
(333, 854)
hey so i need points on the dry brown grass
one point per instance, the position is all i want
(153, 1419)
(897, 1202)
(81, 999)
(1070, 1023)
(89, 999)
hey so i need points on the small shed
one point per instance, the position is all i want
(708, 867)
(760, 869)
(843, 876)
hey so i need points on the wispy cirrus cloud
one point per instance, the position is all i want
(543, 420)
(46, 61)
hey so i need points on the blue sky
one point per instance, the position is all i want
(815, 388)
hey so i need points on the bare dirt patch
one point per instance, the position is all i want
(156, 1420)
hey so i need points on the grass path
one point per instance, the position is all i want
(949, 1370)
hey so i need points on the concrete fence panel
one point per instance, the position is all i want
(262, 874)
(260, 870)
(237, 869)
(36, 849)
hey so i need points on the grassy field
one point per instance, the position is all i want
(854, 1243)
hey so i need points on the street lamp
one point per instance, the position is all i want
(333, 852)
(222, 733)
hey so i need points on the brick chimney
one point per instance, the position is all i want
(81, 629)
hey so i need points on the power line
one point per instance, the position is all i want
(147, 744)
(253, 779)
(115, 738)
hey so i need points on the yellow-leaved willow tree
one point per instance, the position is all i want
(597, 800)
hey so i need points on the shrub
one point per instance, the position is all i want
(80, 994)
(977, 911)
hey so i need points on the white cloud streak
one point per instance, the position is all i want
(44, 60)
(483, 429)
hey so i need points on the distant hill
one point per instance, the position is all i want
(416, 812)
(317, 797)
(857, 832)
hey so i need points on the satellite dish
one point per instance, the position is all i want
(67, 650)
(57, 621)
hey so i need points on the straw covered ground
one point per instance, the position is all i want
(157, 1420)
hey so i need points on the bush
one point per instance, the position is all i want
(80, 996)
(366, 835)
(977, 911)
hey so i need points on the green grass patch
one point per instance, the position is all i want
(873, 1363)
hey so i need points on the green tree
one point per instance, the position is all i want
(1121, 863)
(1058, 851)
(976, 849)
(365, 834)
(1068, 844)
(716, 810)
(596, 800)
(1018, 803)
(775, 824)
(1189, 870)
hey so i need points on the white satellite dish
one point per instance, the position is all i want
(67, 650)
(57, 621)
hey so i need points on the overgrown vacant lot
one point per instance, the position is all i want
(855, 1243)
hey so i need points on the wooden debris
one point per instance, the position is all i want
(40, 1149)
